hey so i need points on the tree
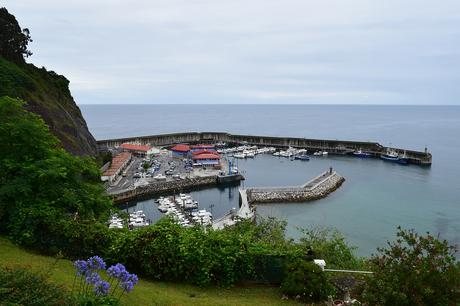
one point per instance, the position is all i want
(414, 270)
(13, 39)
(43, 189)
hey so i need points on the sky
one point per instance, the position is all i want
(250, 51)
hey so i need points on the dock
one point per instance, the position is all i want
(339, 147)
(244, 212)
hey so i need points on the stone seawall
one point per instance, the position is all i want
(162, 188)
(296, 194)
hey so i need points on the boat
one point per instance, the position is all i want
(239, 155)
(318, 153)
(302, 157)
(361, 153)
(393, 156)
(325, 153)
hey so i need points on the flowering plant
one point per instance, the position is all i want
(89, 279)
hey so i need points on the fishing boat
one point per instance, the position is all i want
(361, 153)
(393, 156)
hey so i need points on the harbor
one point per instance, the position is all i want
(336, 147)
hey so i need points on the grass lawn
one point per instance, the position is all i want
(146, 292)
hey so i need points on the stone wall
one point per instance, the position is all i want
(159, 188)
(297, 194)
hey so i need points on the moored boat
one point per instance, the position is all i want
(393, 156)
(361, 153)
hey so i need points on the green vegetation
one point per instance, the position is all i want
(307, 281)
(62, 272)
(49, 199)
(13, 39)
(20, 286)
(414, 270)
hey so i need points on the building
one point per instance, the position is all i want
(180, 150)
(139, 150)
(117, 166)
(206, 158)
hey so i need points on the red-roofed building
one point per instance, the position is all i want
(118, 164)
(180, 150)
(198, 152)
(206, 158)
(138, 149)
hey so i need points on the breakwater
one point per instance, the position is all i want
(317, 188)
(342, 147)
(164, 188)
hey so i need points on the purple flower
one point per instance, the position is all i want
(129, 282)
(101, 288)
(93, 278)
(96, 263)
(81, 266)
(116, 271)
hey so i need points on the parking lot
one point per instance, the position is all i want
(143, 171)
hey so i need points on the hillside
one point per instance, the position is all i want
(46, 93)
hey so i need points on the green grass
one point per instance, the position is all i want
(146, 292)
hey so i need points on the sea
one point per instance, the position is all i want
(376, 197)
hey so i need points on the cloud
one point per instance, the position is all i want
(182, 51)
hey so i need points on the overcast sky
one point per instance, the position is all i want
(250, 51)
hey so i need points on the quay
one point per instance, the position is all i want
(316, 188)
(340, 147)
(167, 187)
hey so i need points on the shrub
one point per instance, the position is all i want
(19, 286)
(329, 244)
(46, 193)
(306, 280)
(414, 270)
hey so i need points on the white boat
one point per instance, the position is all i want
(318, 153)
(249, 153)
(239, 155)
(325, 153)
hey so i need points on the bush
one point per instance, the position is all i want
(20, 286)
(168, 251)
(330, 245)
(47, 196)
(307, 281)
(414, 270)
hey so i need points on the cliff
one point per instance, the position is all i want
(46, 93)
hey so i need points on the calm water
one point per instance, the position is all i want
(376, 196)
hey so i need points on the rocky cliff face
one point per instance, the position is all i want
(45, 92)
(48, 95)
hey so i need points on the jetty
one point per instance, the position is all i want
(316, 188)
(340, 147)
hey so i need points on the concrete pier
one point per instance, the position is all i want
(342, 147)
(245, 212)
